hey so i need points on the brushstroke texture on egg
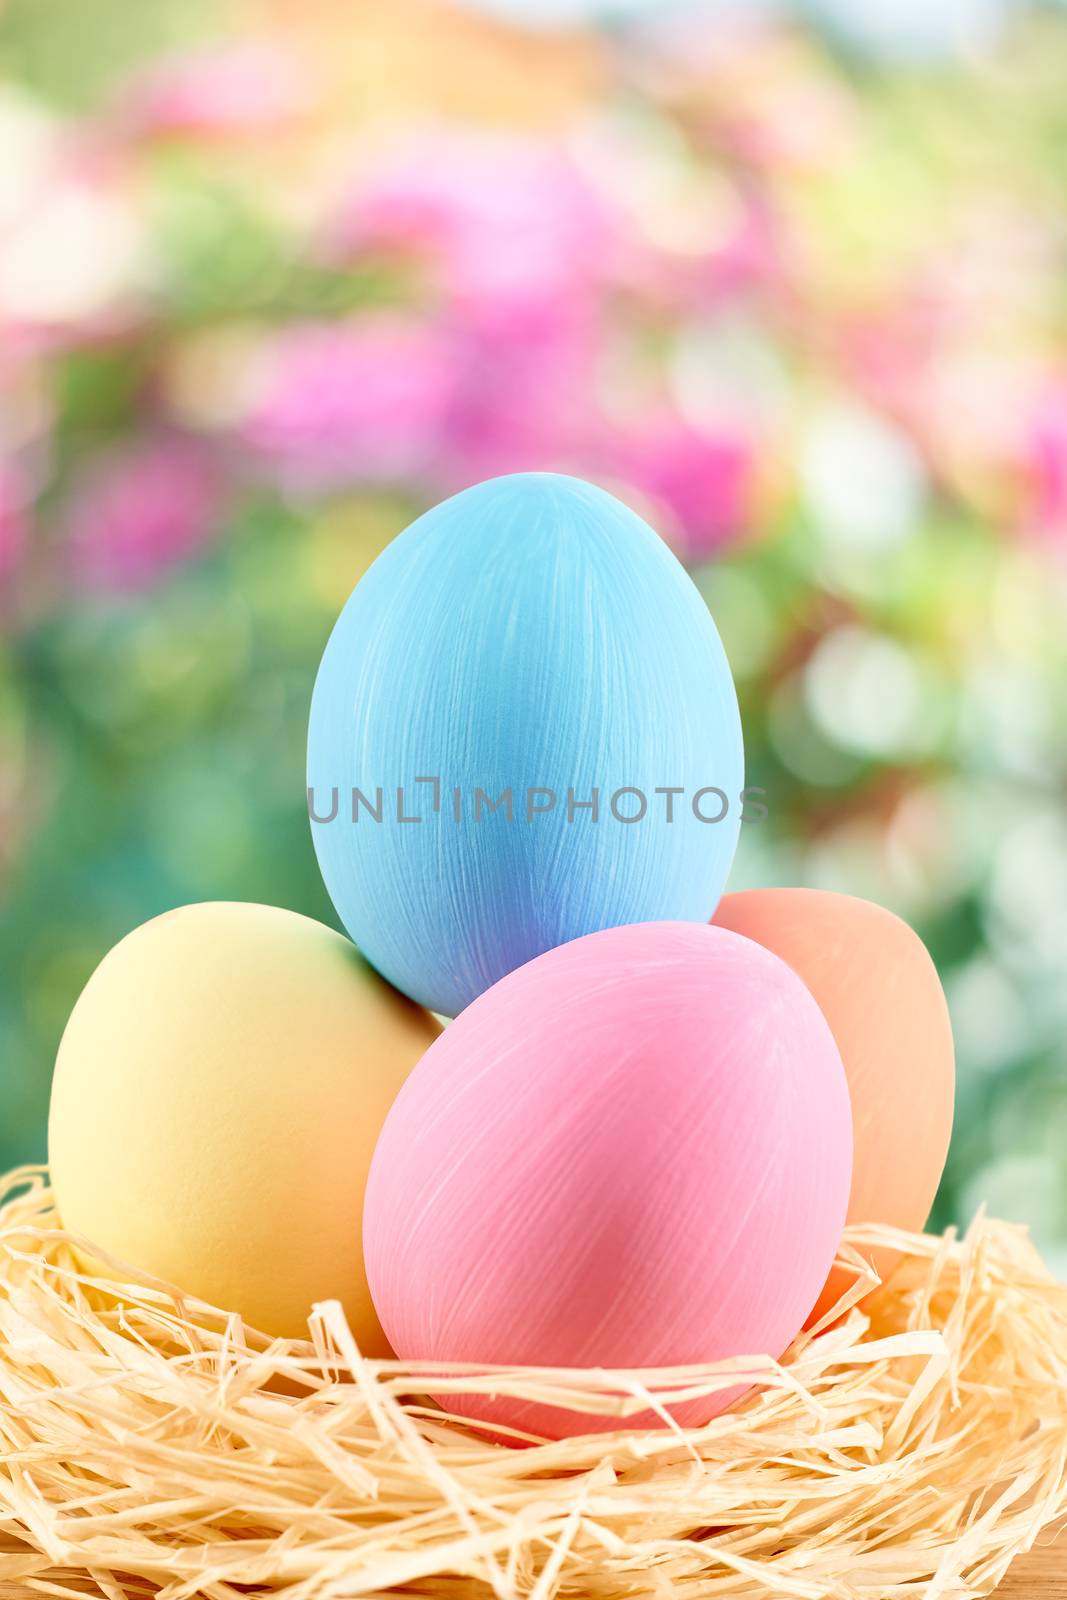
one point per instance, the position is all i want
(530, 634)
(878, 989)
(217, 1094)
(634, 1151)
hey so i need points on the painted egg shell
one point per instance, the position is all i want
(217, 1095)
(634, 1151)
(532, 637)
(879, 991)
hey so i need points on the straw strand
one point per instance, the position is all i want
(151, 1443)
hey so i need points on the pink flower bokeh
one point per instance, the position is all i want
(527, 280)
(139, 510)
(1045, 455)
(13, 522)
(340, 403)
(494, 218)
(702, 482)
(225, 91)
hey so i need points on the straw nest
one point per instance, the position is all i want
(913, 1448)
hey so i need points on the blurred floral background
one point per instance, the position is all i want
(274, 276)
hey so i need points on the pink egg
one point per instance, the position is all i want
(633, 1151)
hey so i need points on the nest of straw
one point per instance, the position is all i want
(151, 1442)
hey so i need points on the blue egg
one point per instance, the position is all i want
(523, 729)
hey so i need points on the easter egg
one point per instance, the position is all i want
(217, 1095)
(523, 729)
(879, 991)
(635, 1151)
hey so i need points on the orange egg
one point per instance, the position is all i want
(879, 991)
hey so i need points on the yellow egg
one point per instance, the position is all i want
(217, 1096)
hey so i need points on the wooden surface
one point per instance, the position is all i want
(1041, 1575)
